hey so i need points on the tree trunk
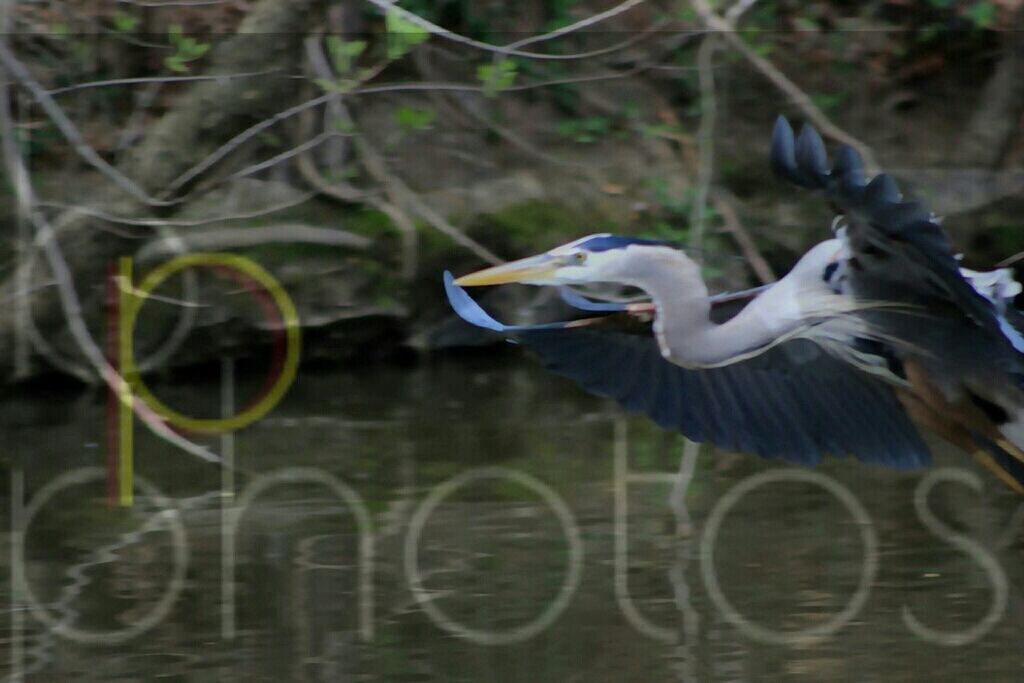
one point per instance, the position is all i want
(199, 122)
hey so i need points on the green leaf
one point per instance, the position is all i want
(929, 32)
(326, 84)
(585, 130)
(186, 49)
(656, 130)
(340, 86)
(497, 76)
(982, 14)
(175, 63)
(124, 23)
(344, 126)
(411, 118)
(828, 102)
(344, 52)
(403, 35)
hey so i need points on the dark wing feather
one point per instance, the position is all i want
(882, 228)
(793, 401)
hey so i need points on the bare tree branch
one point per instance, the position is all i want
(213, 240)
(177, 222)
(70, 132)
(783, 83)
(576, 26)
(238, 140)
(156, 79)
(705, 139)
(511, 49)
(733, 225)
(403, 196)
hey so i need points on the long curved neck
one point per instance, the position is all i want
(685, 332)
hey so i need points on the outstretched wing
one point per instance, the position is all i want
(794, 401)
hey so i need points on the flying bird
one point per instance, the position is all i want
(871, 334)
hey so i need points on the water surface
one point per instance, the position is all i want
(478, 520)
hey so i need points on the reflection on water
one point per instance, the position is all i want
(466, 522)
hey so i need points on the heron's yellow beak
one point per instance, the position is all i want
(527, 271)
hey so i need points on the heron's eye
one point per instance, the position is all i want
(579, 257)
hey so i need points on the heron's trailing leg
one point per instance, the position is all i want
(677, 498)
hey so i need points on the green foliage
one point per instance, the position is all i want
(497, 76)
(929, 32)
(337, 175)
(677, 212)
(403, 34)
(981, 14)
(186, 49)
(413, 119)
(535, 224)
(124, 22)
(339, 85)
(664, 197)
(660, 130)
(559, 12)
(585, 130)
(344, 53)
(344, 126)
(686, 13)
(828, 102)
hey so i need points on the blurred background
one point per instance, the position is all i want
(353, 151)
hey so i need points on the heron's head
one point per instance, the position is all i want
(595, 258)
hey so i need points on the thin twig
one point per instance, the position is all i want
(287, 154)
(156, 79)
(334, 113)
(257, 128)
(337, 110)
(132, 128)
(179, 223)
(733, 225)
(576, 26)
(70, 132)
(733, 14)
(233, 238)
(634, 38)
(333, 116)
(507, 50)
(705, 139)
(783, 83)
(170, 3)
(342, 192)
(403, 196)
(239, 140)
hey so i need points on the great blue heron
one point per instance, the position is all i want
(869, 331)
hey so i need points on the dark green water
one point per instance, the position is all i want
(478, 520)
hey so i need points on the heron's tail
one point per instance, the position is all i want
(997, 459)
